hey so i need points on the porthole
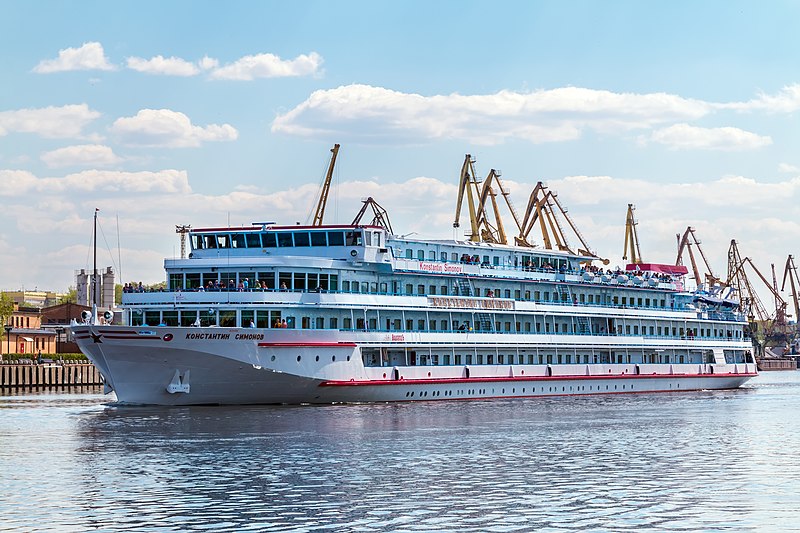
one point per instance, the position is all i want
(272, 358)
(317, 358)
(298, 358)
(333, 358)
(348, 357)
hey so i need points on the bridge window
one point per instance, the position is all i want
(253, 240)
(237, 240)
(335, 238)
(319, 238)
(352, 238)
(269, 240)
(301, 239)
(285, 240)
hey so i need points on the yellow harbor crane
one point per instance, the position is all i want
(379, 215)
(319, 214)
(631, 239)
(790, 273)
(685, 243)
(767, 328)
(543, 208)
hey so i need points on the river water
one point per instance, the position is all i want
(689, 461)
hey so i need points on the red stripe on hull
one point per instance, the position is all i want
(445, 381)
(307, 344)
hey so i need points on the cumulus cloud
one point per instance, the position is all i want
(167, 128)
(90, 56)
(686, 137)
(786, 101)
(18, 182)
(167, 66)
(81, 155)
(375, 114)
(787, 168)
(269, 66)
(51, 122)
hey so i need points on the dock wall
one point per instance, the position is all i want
(15, 376)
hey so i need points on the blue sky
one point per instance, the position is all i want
(164, 113)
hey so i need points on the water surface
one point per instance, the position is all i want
(702, 461)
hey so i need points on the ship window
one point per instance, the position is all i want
(237, 240)
(409, 253)
(383, 288)
(368, 238)
(454, 257)
(345, 286)
(508, 326)
(335, 238)
(268, 240)
(334, 322)
(211, 241)
(299, 281)
(506, 293)
(409, 288)
(169, 318)
(409, 325)
(285, 280)
(444, 289)
(490, 359)
(301, 239)
(253, 240)
(188, 318)
(432, 289)
(364, 287)
(431, 255)
(227, 319)
(420, 289)
(496, 261)
(443, 256)
(193, 280)
(223, 241)
(420, 254)
(373, 324)
(517, 295)
(313, 282)
(305, 322)
(284, 240)
(247, 317)
(421, 325)
(373, 287)
(485, 260)
(151, 318)
(197, 242)
(360, 323)
(319, 238)
(479, 359)
(352, 238)
(175, 282)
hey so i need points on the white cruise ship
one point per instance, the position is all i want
(353, 313)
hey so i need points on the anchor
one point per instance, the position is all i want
(179, 383)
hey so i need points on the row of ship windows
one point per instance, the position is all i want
(464, 323)
(287, 239)
(533, 262)
(513, 391)
(306, 281)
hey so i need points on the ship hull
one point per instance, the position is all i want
(200, 366)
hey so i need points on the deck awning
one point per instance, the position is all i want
(27, 339)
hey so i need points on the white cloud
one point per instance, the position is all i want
(20, 183)
(51, 122)
(684, 136)
(375, 114)
(167, 128)
(168, 66)
(787, 168)
(269, 66)
(90, 56)
(786, 101)
(81, 155)
(208, 63)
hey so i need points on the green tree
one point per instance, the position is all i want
(6, 309)
(71, 297)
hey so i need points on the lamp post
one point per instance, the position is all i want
(8, 329)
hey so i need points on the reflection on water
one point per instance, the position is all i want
(708, 461)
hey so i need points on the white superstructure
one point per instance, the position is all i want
(317, 314)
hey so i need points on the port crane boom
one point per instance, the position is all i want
(319, 214)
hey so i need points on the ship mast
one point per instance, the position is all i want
(94, 271)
